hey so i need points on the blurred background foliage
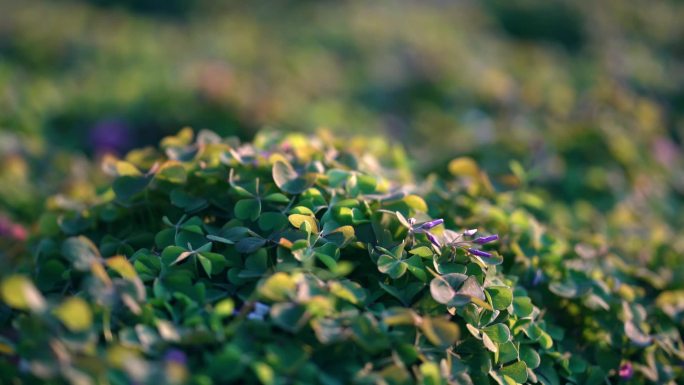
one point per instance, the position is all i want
(587, 98)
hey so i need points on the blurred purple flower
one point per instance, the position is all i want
(483, 240)
(259, 312)
(110, 135)
(11, 230)
(538, 277)
(176, 356)
(626, 371)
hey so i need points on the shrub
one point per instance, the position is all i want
(305, 260)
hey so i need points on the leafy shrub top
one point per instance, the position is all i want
(304, 260)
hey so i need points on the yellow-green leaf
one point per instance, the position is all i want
(298, 220)
(464, 166)
(277, 287)
(19, 292)
(75, 314)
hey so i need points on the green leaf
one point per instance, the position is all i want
(498, 333)
(439, 331)
(248, 209)
(328, 261)
(189, 203)
(566, 289)
(172, 172)
(422, 251)
(471, 290)
(501, 296)
(444, 288)
(218, 261)
(507, 352)
(516, 371)
(249, 244)
(81, 252)
(390, 265)
(288, 180)
(341, 235)
(206, 263)
(404, 294)
(127, 186)
(174, 255)
(416, 267)
(337, 177)
(75, 314)
(348, 290)
(522, 306)
(272, 221)
(289, 316)
(264, 373)
(400, 316)
(277, 198)
(530, 356)
(430, 374)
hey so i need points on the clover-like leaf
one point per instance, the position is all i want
(391, 265)
(445, 287)
(81, 251)
(248, 209)
(516, 371)
(304, 222)
(288, 180)
(501, 297)
(439, 331)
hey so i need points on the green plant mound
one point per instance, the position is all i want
(303, 260)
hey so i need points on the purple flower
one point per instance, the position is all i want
(11, 230)
(433, 239)
(259, 312)
(176, 356)
(430, 224)
(480, 253)
(470, 232)
(424, 228)
(483, 240)
(110, 136)
(626, 371)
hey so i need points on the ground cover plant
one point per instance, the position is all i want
(304, 259)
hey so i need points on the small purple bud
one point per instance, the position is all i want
(480, 253)
(110, 136)
(431, 224)
(433, 239)
(176, 356)
(483, 240)
(261, 308)
(626, 371)
(538, 277)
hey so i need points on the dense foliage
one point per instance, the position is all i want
(299, 259)
(574, 109)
